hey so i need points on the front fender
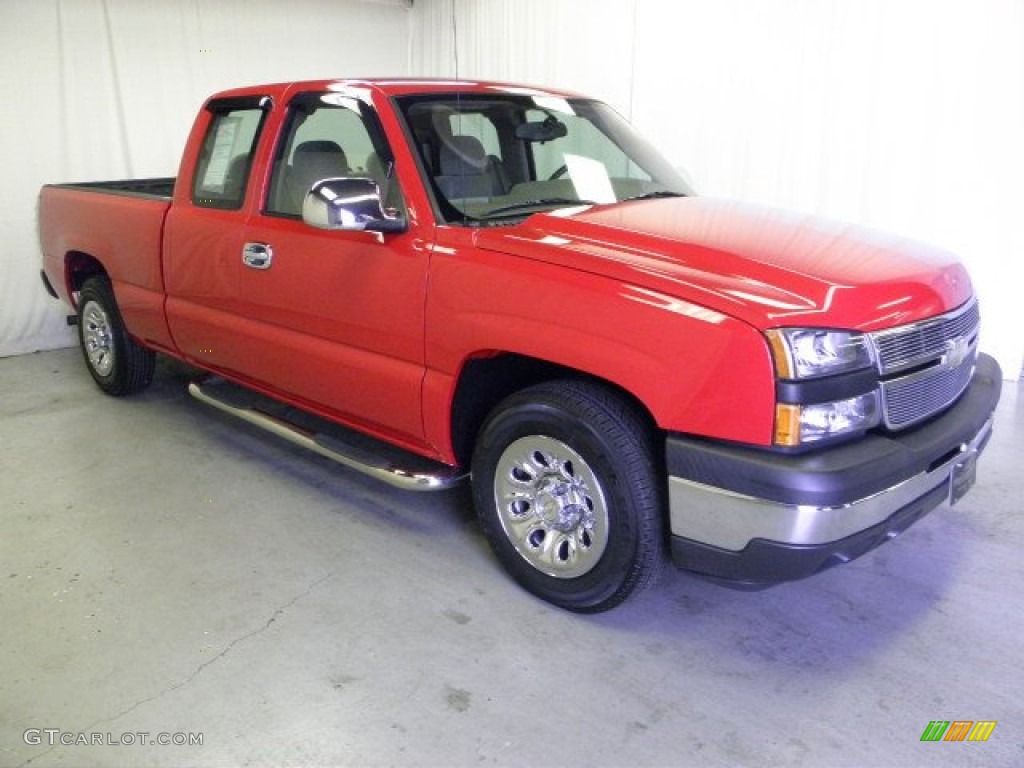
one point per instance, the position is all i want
(696, 370)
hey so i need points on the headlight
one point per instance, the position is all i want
(813, 407)
(799, 424)
(807, 353)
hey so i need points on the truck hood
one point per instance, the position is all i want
(763, 266)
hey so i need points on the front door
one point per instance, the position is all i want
(334, 319)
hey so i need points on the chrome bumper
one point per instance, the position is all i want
(729, 520)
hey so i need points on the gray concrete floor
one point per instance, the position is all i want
(167, 571)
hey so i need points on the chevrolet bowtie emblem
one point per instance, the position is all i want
(957, 351)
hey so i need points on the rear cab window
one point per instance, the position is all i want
(225, 157)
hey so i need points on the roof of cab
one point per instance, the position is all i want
(393, 87)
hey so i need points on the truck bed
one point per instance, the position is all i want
(118, 224)
(161, 188)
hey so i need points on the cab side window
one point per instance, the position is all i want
(225, 158)
(324, 138)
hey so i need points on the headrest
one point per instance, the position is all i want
(322, 155)
(318, 145)
(460, 152)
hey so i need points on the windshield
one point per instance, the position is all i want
(495, 158)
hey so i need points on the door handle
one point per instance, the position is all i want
(257, 255)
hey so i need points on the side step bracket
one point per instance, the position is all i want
(379, 460)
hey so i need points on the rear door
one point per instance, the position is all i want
(204, 231)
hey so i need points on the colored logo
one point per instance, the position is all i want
(958, 730)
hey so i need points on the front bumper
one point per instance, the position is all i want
(752, 517)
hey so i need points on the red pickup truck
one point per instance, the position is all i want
(428, 280)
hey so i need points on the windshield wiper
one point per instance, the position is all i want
(560, 201)
(654, 195)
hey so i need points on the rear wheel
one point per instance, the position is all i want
(117, 364)
(567, 491)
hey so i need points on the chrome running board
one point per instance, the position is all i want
(377, 459)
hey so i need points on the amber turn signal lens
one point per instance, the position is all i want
(787, 424)
(780, 354)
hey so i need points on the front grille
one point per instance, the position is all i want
(925, 366)
(912, 345)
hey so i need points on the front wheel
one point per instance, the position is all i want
(117, 364)
(567, 491)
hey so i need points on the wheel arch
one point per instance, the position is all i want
(79, 266)
(486, 380)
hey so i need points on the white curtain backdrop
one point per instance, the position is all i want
(901, 114)
(108, 89)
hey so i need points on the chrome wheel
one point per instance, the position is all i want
(98, 338)
(564, 482)
(117, 364)
(551, 506)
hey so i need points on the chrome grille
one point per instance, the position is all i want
(912, 345)
(925, 366)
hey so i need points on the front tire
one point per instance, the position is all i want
(568, 494)
(116, 363)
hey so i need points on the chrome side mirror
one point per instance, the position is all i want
(351, 205)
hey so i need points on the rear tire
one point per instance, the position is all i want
(116, 363)
(568, 494)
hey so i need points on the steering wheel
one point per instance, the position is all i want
(559, 173)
